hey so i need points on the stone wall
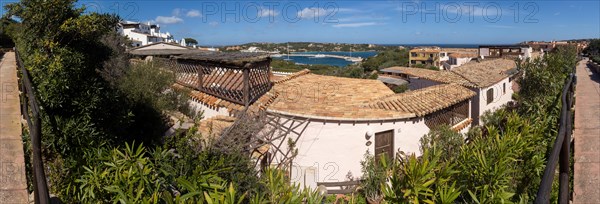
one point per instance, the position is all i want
(594, 66)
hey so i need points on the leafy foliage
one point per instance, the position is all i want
(373, 176)
(390, 58)
(421, 180)
(501, 161)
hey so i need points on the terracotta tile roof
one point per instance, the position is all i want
(472, 74)
(437, 76)
(213, 101)
(424, 101)
(486, 72)
(462, 125)
(335, 98)
(328, 97)
(214, 126)
(291, 76)
(425, 50)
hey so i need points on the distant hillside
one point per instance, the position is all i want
(310, 47)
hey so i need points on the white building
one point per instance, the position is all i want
(458, 59)
(505, 51)
(143, 33)
(489, 79)
(332, 121)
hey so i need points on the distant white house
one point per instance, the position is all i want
(458, 59)
(505, 51)
(143, 33)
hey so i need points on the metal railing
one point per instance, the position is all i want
(29, 105)
(561, 150)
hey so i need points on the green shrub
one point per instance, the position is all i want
(422, 179)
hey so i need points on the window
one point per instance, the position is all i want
(413, 54)
(504, 88)
(490, 95)
(413, 62)
(384, 144)
(430, 55)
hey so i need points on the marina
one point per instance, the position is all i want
(339, 59)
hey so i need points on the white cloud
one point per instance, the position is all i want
(177, 12)
(193, 13)
(264, 12)
(168, 19)
(213, 23)
(363, 18)
(312, 12)
(354, 25)
(557, 13)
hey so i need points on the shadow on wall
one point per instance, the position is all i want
(595, 67)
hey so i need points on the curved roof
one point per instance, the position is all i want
(437, 76)
(336, 98)
(473, 74)
(424, 101)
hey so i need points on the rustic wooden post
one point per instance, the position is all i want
(246, 71)
(200, 77)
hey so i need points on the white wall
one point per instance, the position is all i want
(162, 47)
(328, 151)
(456, 62)
(484, 52)
(500, 98)
(527, 52)
(209, 112)
(137, 37)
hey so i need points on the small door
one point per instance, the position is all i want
(384, 144)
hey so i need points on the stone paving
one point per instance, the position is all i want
(586, 182)
(13, 184)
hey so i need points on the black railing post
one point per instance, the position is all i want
(40, 186)
(560, 149)
(565, 152)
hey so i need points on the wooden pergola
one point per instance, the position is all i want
(240, 78)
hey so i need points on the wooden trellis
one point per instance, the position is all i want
(240, 78)
(448, 116)
(269, 138)
(282, 131)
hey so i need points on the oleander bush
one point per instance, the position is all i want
(501, 161)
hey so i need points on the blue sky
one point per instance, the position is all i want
(383, 22)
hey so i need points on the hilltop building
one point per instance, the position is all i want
(505, 51)
(428, 56)
(143, 33)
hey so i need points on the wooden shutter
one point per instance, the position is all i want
(384, 144)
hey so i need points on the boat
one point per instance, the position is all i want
(320, 56)
(354, 59)
(276, 55)
(288, 55)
